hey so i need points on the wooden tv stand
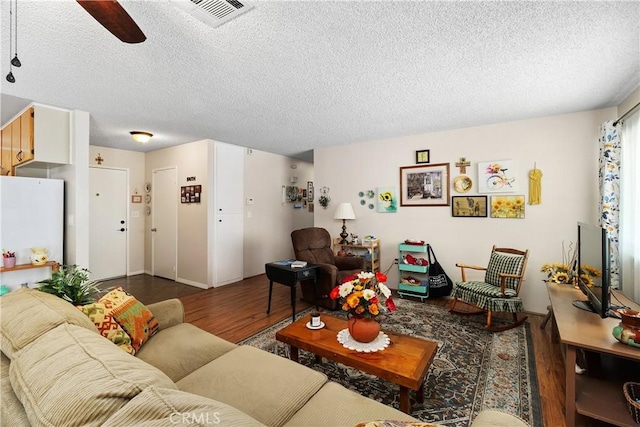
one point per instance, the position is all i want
(579, 329)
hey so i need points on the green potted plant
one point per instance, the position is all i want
(72, 284)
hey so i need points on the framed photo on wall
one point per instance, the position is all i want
(422, 156)
(469, 206)
(425, 185)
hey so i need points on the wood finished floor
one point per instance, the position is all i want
(237, 311)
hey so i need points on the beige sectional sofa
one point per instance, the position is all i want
(57, 370)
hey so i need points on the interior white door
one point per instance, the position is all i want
(107, 223)
(164, 229)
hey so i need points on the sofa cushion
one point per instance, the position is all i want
(182, 349)
(29, 313)
(354, 409)
(136, 319)
(163, 407)
(102, 317)
(71, 376)
(12, 413)
(267, 387)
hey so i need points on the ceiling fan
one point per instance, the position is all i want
(114, 18)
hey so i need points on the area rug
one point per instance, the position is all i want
(474, 369)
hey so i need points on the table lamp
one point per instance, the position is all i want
(344, 212)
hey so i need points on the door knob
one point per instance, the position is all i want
(154, 229)
(121, 229)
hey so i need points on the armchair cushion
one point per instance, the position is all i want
(501, 263)
(488, 297)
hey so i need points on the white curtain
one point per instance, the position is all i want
(629, 254)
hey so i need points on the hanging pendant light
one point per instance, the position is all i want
(15, 61)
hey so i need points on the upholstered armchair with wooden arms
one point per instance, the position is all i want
(499, 292)
(313, 245)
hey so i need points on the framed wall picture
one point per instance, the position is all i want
(507, 207)
(190, 194)
(422, 156)
(469, 206)
(496, 177)
(426, 185)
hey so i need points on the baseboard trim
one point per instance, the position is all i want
(135, 273)
(192, 283)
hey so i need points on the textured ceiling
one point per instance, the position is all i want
(290, 76)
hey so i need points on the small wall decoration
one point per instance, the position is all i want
(190, 193)
(469, 206)
(136, 198)
(422, 156)
(507, 207)
(99, 159)
(535, 186)
(496, 177)
(324, 197)
(425, 185)
(463, 163)
(462, 184)
(387, 200)
(310, 191)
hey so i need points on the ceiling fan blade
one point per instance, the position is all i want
(114, 18)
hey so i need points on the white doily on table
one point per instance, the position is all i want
(380, 343)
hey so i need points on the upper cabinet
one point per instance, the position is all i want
(37, 138)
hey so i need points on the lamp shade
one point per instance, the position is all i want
(344, 211)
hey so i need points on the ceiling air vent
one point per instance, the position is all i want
(214, 12)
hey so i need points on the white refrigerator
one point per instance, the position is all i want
(31, 215)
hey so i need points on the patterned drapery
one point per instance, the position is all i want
(609, 179)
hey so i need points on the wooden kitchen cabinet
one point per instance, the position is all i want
(5, 148)
(38, 138)
(26, 135)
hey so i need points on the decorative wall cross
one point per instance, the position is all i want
(99, 159)
(463, 164)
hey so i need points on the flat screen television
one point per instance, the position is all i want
(593, 251)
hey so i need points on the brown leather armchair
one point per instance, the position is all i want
(313, 245)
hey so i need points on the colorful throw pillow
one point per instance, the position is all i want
(136, 319)
(101, 316)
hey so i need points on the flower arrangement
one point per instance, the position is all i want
(8, 254)
(565, 271)
(364, 294)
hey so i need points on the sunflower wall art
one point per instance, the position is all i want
(387, 200)
(507, 207)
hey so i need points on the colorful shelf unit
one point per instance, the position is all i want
(409, 290)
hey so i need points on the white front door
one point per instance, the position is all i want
(108, 197)
(164, 214)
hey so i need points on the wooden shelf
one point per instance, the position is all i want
(602, 400)
(53, 264)
(372, 247)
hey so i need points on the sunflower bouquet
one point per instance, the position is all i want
(567, 271)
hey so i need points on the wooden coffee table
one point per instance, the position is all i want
(404, 362)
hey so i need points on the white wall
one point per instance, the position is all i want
(191, 160)
(268, 223)
(76, 191)
(563, 147)
(134, 162)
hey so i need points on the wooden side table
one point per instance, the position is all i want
(288, 276)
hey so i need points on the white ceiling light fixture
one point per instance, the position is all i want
(140, 136)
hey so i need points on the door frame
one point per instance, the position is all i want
(128, 218)
(153, 213)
